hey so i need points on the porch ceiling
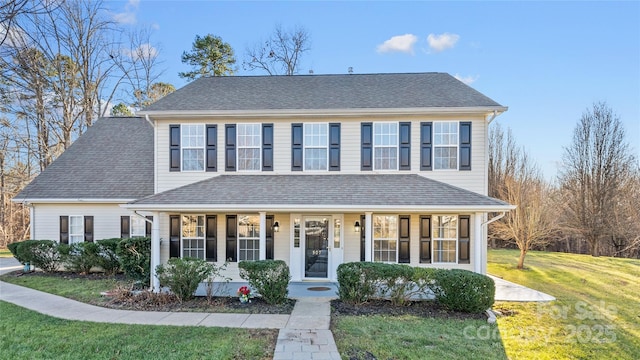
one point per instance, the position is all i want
(346, 192)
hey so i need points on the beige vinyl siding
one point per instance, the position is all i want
(474, 180)
(106, 219)
(351, 238)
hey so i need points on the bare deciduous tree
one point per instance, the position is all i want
(595, 167)
(516, 179)
(281, 53)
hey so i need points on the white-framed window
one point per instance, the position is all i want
(385, 238)
(76, 229)
(249, 146)
(137, 226)
(385, 146)
(445, 238)
(316, 146)
(248, 237)
(445, 145)
(192, 143)
(193, 236)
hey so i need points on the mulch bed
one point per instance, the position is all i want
(425, 308)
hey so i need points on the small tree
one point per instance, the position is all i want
(209, 56)
(183, 276)
(516, 179)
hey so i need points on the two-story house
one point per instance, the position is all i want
(316, 170)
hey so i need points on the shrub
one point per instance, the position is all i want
(183, 275)
(395, 281)
(463, 290)
(40, 253)
(13, 247)
(109, 260)
(270, 278)
(80, 257)
(135, 257)
(356, 282)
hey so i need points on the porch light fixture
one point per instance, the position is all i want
(356, 226)
(276, 226)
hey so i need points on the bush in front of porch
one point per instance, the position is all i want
(270, 278)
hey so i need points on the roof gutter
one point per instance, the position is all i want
(146, 117)
(494, 116)
(495, 110)
(496, 218)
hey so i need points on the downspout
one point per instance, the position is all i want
(146, 117)
(495, 115)
(495, 218)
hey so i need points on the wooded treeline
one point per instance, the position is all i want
(592, 205)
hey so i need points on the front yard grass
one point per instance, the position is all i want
(413, 337)
(4, 253)
(596, 314)
(25, 334)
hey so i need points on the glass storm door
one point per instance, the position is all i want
(316, 231)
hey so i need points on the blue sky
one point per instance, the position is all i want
(547, 61)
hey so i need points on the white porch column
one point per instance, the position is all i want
(478, 265)
(155, 251)
(263, 235)
(368, 228)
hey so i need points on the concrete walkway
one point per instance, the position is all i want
(508, 291)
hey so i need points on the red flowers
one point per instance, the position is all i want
(244, 291)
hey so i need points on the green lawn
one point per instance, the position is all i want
(25, 334)
(4, 253)
(596, 315)
(412, 337)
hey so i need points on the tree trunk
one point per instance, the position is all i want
(523, 253)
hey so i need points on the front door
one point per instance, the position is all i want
(316, 240)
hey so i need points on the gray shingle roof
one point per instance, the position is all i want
(306, 92)
(273, 191)
(113, 159)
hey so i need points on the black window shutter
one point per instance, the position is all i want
(366, 148)
(88, 228)
(64, 229)
(230, 147)
(425, 145)
(403, 239)
(211, 238)
(269, 232)
(464, 239)
(174, 147)
(425, 239)
(148, 226)
(174, 236)
(232, 238)
(125, 227)
(362, 238)
(405, 146)
(267, 147)
(465, 145)
(212, 148)
(334, 147)
(296, 147)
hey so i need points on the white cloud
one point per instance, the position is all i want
(144, 51)
(129, 14)
(400, 43)
(442, 42)
(467, 79)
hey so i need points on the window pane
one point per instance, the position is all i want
(385, 237)
(385, 143)
(138, 227)
(192, 159)
(248, 237)
(315, 159)
(316, 144)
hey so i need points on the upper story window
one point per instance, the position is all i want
(249, 146)
(445, 143)
(385, 146)
(192, 143)
(316, 146)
